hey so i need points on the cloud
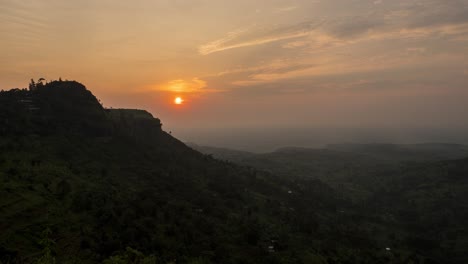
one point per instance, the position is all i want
(218, 45)
(277, 66)
(210, 48)
(353, 26)
(256, 36)
(183, 86)
(336, 67)
(16, 17)
(437, 12)
(264, 73)
(410, 20)
(386, 41)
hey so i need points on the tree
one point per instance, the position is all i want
(32, 85)
(47, 244)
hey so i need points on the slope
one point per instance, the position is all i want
(95, 181)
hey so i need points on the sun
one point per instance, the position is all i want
(178, 100)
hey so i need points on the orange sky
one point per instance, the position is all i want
(267, 63)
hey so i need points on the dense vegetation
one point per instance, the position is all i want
(412, 197)
(84, 184)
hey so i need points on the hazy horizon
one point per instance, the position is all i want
(268, 140)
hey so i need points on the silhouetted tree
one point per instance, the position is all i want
(32, 85)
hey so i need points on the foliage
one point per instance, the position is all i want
(131, 256)
(47, 244)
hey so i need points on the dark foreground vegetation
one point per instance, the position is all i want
(412, 197)
(84, 184)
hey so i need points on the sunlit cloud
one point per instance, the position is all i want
(183, 86)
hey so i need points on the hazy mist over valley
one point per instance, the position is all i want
(271, 138)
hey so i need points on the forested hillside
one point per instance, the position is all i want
(410, 197)
(84, 184)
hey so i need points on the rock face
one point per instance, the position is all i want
(138, 124)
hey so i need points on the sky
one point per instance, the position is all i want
(254, 67)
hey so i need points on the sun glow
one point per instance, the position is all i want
(178, 100)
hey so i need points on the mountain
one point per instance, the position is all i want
(84, 184)
(353, 169)
(347, 153)
(405, 152)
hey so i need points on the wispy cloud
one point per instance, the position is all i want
(204, 50)
(335, 66)
(411, 20)
(274, 67)
(23, 24)
(218, 45)
(257, 36)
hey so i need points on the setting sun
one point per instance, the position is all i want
(178, 100)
